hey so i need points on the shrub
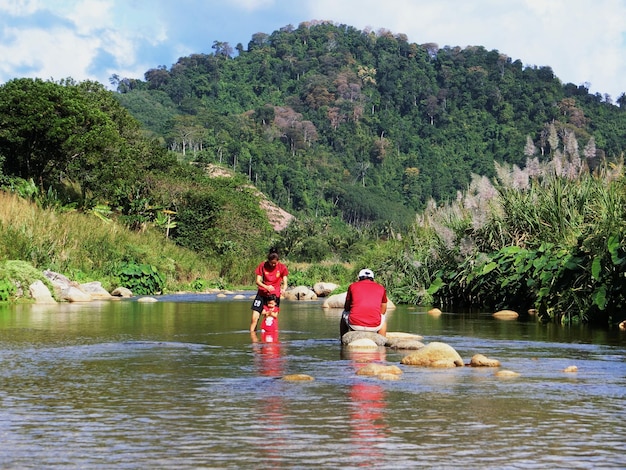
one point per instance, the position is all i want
(7, 290)
(141, 279)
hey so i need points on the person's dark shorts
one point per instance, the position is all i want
(259, 301)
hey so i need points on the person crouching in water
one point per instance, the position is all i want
(269, 324)
(365, 306)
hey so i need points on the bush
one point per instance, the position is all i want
(141, 279)
(7, 290)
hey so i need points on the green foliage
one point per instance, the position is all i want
(7, 290)
(311, 274)
(141, 279)
(16, 274)
(562, 252)
(335, 122)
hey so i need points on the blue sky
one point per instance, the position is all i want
(584, 41)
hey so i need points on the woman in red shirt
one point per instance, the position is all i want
(271, 278)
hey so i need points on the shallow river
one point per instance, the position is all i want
(180, 384)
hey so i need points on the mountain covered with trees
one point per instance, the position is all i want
(329, 120)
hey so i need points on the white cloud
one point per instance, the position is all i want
(44, 51)
(20, 7)
(252, 5)
(91, 16)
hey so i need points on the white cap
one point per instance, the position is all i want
(365, 273)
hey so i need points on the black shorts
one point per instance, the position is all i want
(259, 301)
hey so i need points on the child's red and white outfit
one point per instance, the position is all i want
(269, 323)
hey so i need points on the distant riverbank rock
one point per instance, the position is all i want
(40, 293)
(506, 315)
(335, 301)
(95, 290)
(74, 294)
(434, 354)
(59, 281)
(122, 292)
(324, 289)
(71, 291)
(299, 293)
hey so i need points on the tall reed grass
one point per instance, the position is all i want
(551, 236)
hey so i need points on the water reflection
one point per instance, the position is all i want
(184, 385)
(270, 362)
(368, 428)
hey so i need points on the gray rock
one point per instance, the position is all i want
(40, 293)
(122, 292)
(74, 294)
(335, 301)
(323, 289)
(95, 290)
(434, 354)
(351, 336)
(300, 293)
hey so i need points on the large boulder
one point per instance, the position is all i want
(299, 293)
(95, 290)
(506, 315)
(434, 354)
(324, 289)
(74, 294)
(122, 292)
(59, 282)
(335, 301)
(479, 360)
(40, 293)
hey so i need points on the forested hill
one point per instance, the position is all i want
(330, 120)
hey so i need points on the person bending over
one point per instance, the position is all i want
(271, 278)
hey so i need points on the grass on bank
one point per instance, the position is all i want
(86, 248)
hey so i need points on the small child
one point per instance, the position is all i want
(269, 325)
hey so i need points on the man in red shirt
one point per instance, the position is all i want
(365, 306)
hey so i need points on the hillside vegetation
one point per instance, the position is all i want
(329, 120)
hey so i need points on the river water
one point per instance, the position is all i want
(181, 384)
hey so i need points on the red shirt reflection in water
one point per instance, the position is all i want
(270, 363)
(270, 355)
(367, 418)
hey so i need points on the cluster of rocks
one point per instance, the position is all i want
(320, 289)
(72, 291)
(434, 354)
